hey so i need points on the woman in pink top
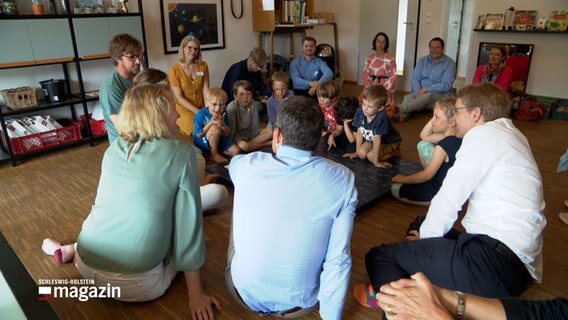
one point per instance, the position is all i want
(495, 71)
(380, 66)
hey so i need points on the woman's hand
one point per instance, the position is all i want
(199, 302)
(200, 307)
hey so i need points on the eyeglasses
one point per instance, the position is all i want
(192, 48)
(217, 104)
(455, 109)
(133, 58)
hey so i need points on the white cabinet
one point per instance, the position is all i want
(94, 34)
(29, 41)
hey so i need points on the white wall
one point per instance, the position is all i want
(347, 18)
(433, 23)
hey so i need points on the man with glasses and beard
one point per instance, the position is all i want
(126, 53)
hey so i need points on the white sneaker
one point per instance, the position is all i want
(563, 216)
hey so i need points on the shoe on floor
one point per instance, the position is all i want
(563, 216)
(365, 295)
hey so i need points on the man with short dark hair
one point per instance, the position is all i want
(432, 78)
(307, 70)
(292, 221)
(248, 69)
(126, 53)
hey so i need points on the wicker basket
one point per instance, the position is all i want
(20, 98)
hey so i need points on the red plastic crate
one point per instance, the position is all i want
(38, 141)
(98, 127)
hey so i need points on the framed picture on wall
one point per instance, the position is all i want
(519, 56)
(202, 19)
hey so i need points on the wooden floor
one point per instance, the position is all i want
(51, 195)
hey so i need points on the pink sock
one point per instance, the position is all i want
(49, 246)
(64, 254)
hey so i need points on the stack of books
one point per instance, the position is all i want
(294, 12)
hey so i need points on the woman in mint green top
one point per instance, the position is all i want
(146, 223)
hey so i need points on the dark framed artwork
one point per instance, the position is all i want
(519, 56)
(202, 19)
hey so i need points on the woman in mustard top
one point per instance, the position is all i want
(189, 79)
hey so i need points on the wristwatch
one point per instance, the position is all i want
(460, 308)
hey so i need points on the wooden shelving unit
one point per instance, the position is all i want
(266, 23)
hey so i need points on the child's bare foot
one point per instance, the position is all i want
(217, 158)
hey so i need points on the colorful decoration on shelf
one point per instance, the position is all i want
(558, 21)
(524, 20)
(493, 21)
(541, 24)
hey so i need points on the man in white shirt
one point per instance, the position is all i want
(500, 252)
(293, 214)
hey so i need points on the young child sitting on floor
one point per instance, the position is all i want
(327, 92)
(213, 195)
(376, 140)
(344, 112)
(211, 130)
(243, 120)
(419, 188)
(280, 92)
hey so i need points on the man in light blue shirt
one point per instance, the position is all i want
(307, 71)
(432, 78)
(293, 215)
